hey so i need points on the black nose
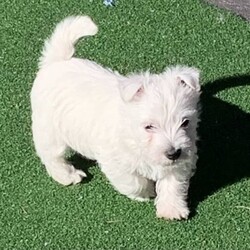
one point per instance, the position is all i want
(173, 155)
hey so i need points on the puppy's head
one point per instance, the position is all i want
(161, 114)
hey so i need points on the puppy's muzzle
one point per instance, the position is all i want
(173, 154)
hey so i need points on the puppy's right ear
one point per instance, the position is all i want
(131, 89)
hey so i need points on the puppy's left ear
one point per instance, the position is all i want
(131, 89)
(190, 77)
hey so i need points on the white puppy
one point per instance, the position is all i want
(140, 128)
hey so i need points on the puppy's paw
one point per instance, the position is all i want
(140, 199)
(170, 212)
(67, 175)
(77, 176)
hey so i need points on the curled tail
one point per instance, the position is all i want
(60, 46)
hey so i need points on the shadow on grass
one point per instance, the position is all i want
(224, 155)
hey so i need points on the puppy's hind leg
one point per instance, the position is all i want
(63, 172)
(134, 186)
(51, 150)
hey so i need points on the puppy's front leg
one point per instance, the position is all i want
(171, 198)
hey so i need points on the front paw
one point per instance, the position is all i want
(172, 212)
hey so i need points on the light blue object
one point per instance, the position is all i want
(109, 2)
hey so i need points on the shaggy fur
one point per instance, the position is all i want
(140, 128)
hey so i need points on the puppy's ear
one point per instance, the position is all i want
(131, 89)
(189, 77)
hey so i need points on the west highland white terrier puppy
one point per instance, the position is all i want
(140, 128)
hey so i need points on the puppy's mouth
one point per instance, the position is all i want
(174, 162)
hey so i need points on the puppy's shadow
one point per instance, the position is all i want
(79, 162)
(224, 131)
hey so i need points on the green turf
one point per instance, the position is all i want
(37, 213)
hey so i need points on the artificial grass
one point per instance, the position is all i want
(37, 213)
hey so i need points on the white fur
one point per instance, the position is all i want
(102, 115)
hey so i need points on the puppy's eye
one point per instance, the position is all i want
(150, 127)
(185, 123)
